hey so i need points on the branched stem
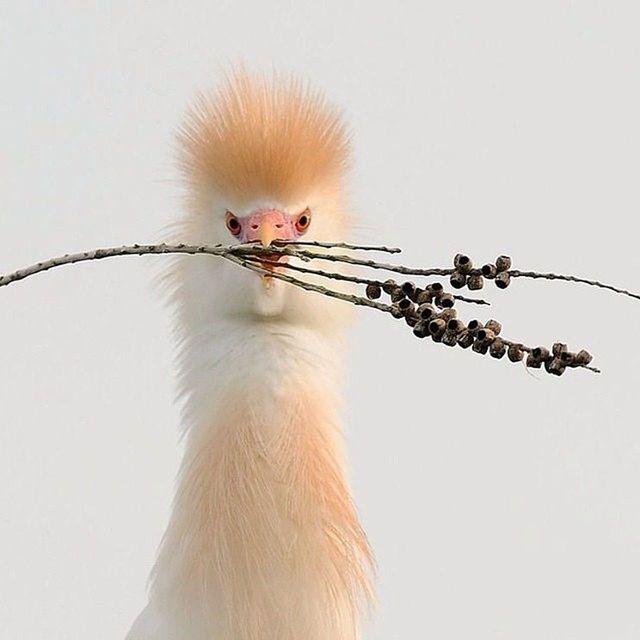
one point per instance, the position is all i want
(413, 303)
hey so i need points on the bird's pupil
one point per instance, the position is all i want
(303, 221)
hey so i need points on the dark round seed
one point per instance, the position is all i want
(503, 263)
(540, 353)
(397, 295)
(475, 281)
(480, 347)
(515, 353)
(458, 280)
(583, 357)
(485, 335)
(448, 314)
(558, 348)
(555, 366)
(489, 271)
(533, 362)
(465, 339)
(498, 348)
(462, 263)
(437, 326)
(426, 311)
(373, 291)
(421, 330)
(446, 301)
(494, 325)
(502, 280)
(408, 288)
(388, 286)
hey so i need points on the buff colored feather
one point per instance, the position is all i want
(264, 542)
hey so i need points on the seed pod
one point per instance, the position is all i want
(411, 319)
(424, 297)
(397, 294)
(474, 325)
(373, 291)
(449, 339)
(435, 289)
(567, 358)
(502, 280)
(388, 286)
(395, 312)
(421, 330)
(494, 325)
(426, 311)
(583, 357)
(555, 366)
(408, 288)
(445, 301)
(515, 353)
(416, 293)
(503, 263)
(447, 314)
(458, 280)
(559, 348)
(540, 353)
(437, 327)
(462, 263)
(532, 362)
(485, 335)
(480, 347)
(497, 348)
(475, 282)
(455, 326)
(406, 306)
(489, 271)
(465, 339)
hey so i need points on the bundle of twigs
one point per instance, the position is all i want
(427, 308)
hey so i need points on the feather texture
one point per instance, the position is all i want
(264, 542)
(257, 138)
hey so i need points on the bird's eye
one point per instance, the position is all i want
(303, 221)
(233, 224)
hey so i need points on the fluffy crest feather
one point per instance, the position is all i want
(257, 138)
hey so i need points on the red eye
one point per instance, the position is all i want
(233, 224)
(303, 221)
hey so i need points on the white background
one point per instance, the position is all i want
(501, 505)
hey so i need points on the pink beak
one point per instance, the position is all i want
(267, 225)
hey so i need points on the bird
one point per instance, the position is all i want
(264, 541)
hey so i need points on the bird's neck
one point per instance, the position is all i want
(261, 363)
(264, 541)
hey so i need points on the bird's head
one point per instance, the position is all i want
(264, 160)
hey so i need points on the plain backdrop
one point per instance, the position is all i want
(501, 504)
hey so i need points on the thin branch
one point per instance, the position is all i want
(408, 301)
(338, 245)
(348, 278)
(516, 273)
(111, 252)
(357, 300)
(329, 257)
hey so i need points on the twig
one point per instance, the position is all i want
(418, 306)
(357, 300)
(516, 273)
(338, 245)
(348, 278)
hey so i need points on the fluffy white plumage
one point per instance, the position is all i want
(263, 542)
